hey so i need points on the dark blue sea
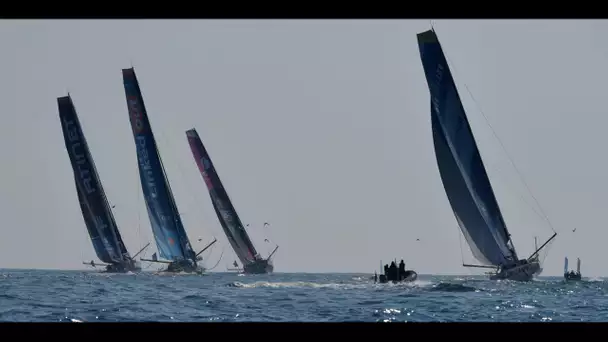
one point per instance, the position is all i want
(87, 296)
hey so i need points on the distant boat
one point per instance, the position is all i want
(394, 273)
(572, 275)
(235, 268)
(537, 257)
(96, 211)
(171, 239)
(463, 173)
(252, 262)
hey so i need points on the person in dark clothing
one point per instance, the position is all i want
(386, 270)
(401, 270)
(375, 277)
(393, 271)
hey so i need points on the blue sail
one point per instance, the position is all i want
(169, 233)
(94, 205)
(227, 215)
(460, 165)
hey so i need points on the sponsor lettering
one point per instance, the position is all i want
(203, 163)
(206, 166)
(103, 229)
(76, 149)
(226, 215)
(438, 79)
(137, 123)
(145, 166)
(206, 163)
(207, 180)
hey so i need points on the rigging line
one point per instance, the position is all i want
(193, 195)
(545, 217)
(509, 157)
(137, 185)
(460, 243)
(218, 262)
(179, 167)
(521, 196)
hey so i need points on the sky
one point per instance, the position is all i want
(319, 127)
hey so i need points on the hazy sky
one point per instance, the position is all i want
(321, 128)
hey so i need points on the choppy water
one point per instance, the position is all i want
(72, 296)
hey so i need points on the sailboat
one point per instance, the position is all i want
(252, 262)
(572, 275)
(96, 211)
(464, 176)
(171, 239)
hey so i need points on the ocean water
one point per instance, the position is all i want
(86, 296)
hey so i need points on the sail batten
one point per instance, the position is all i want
(96, 211)
(461, 167)
(171, 239)
(225, 211)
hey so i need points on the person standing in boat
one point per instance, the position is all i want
(393, 271)
(401, 270)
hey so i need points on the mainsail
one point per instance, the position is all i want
(462, 170)
(94, 205)
(229, 219)
(169, 233)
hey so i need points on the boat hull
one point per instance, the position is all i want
(409, 276)
(525, 272)
(572, 276)
(184, 266)
(125, 267)
(262, 266)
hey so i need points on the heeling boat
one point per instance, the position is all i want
(252, 262)
(464, 176)
(171, 239)
(96, 211)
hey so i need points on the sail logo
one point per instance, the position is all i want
(224, 212)
(77, 151)
(145, 166)
(207, 179)
(103, 229)
(137, 123)
(226, 216)
(438, 79)
(206, 163)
